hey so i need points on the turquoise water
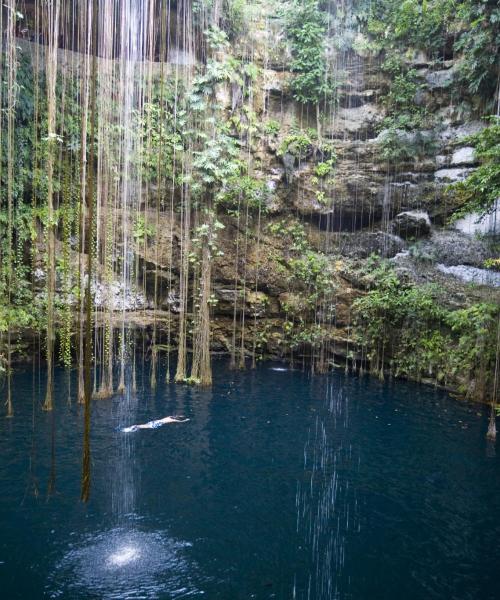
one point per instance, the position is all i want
(281, 485)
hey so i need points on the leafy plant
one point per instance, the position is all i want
(272, 127)
(469, 29)
(142, 230)
(479, 45)
(306, 30)
(323, 169)
(216, 38)
(492, 263)
(481, 190)
(298, 145)
(291, 231)
(407, 326)
(244, 192)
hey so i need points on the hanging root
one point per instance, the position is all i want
(492, 427)
(103, 393)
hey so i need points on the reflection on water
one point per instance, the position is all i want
(124, 564)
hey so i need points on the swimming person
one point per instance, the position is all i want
(155, 424)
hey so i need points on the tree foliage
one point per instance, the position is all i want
(306, 28)
(408, 327)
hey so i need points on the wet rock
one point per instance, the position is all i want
(411, 224)
(172, 302)
(293, 303)
(418, 60)
(364, 243)
(410, 138)
(289, 165)
(452, 248)
(437, 80)
(463, 156)
(355, 120)
(275, 81)
(352, 199)
(451, 175)
(470, 274)
(488, 224)
(258, 303)
(119, 296)
(455, 134)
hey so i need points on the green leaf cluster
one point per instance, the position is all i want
(409, 327)
(306, 27)
(481, 190)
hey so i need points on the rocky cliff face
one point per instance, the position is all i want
(365, 206)
(288, 273)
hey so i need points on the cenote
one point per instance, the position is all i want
(249, 299)
(281, 485)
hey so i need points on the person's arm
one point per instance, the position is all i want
(130, 429)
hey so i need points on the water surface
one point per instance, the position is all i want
(281, 485)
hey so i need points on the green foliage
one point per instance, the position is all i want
(306, 26)
(423, 25)
(475, 331)
(408, 326)
(292, 232)
(492, 263)
(323, 169)
(298, 333)
(234, 17)
(480, 191)
(272, 127)
(206, 236)
(402, 110)
(312, 270)
(142, 230)
(244, 122)
(304, 268)
(204, 84)
(163, 127)
(298, 145)
(216, 38)
(244, 193)
(17, 309)
(470, 28)
(479, 45)
(216, 163)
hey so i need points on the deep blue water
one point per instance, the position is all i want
(281, 485)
